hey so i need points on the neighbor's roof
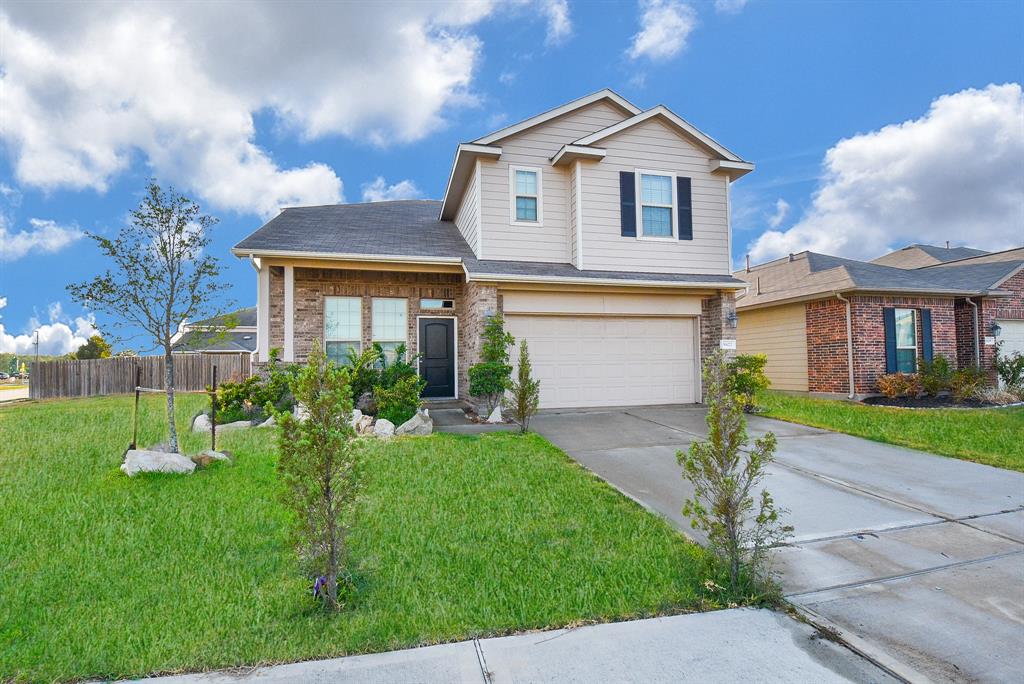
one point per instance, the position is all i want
(809, 275)
(243, 318)
(234, 340)
(916, 256)
(1013, 254)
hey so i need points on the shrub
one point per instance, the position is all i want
(934, 375)
(725, 476)
(967, 383)
(317, 465)
(747, 377)
(525, 390)
(256, 397)
(1010, 368)
(399, 402)
(895, 385)
(399, 369)
(490, 378)
(363, 370)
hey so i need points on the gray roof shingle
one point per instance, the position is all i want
(234, 340)
(966, 278)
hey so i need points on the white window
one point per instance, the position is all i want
(526, 189)
(656, 210)
(390, 324)
(343, 327)
(906, 340)
(437, 304)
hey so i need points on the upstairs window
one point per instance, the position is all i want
(527, 200)
(657, 205)
(343, 327)
(390, 325)
(906, 340)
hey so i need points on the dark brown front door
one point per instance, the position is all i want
(437, 360)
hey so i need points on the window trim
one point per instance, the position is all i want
(913, 320)
(405, 332)
(639, 209)
(359, 340)
(512, 195)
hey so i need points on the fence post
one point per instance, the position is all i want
(213, 412)
(135, 415)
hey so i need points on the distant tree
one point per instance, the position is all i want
(525, 390)
(95, 348)
(161, 274)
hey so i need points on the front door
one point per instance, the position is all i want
(437, 360)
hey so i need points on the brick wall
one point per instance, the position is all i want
(964, 316)
(827, 369)
(715, 316)
(479, 300)
(1003, 308)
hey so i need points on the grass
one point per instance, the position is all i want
(105, 576)
(989, 436)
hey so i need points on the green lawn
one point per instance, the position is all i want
(102, 576)
(991, 436)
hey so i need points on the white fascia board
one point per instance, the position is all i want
(732, 169)
(568, 280)
(466, 156)
(340, 256)
(604, 94)
(570, 153)
(671, 117)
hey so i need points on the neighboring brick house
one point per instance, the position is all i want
(601, 231)
(811, 314)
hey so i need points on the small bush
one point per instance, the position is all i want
(399, 402)
(525, 390)
(895, 385)
(256, 397)
(967, 383)
(397, 370)
(490, 378)
(935, 375)
(363, 370)
(747, 377)
(1010, 368)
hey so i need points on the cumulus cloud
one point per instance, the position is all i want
(42, 236)
(559, 23)
(665, 26)
(380, 191)
(730, 6)
(781, 212)
(88, 91)
(953, 174)
(60, 336)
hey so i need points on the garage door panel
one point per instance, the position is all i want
(591, 361)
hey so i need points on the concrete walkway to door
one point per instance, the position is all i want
(918, 560)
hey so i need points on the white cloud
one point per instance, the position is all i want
(507, 77)
(665, 25)
(43, 236)
(88, 89)
(380, 191)
(781, 212)
(559, 23)
(954, 174)
(730, 6)
(61, 336)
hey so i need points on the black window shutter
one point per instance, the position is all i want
(889, 318)
(627, 203)
(926, 333)
(683, 196)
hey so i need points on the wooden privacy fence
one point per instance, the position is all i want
(94, 377)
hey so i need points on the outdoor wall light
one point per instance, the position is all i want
(995, 330)
(731, 318)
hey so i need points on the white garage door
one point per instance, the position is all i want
(598, 361)
(1012, 336)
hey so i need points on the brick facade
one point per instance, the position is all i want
(827, 357)
(717, 323)
(991, 309)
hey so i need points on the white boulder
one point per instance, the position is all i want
(201, 423)
(356, 415)
(300, 413)
(420, 424)
(143, 461)
(364, 426)
(269, 422)
(209, 456)
(495, 416)
(383, 428)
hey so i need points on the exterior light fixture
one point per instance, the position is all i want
(995, 329)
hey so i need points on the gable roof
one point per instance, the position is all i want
(586, 100)
(1012, 254)
(232, 340)
(244, 318)
(917, 256)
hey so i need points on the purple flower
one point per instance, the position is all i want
(319, 585)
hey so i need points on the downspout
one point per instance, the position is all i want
(849, 340)
(977, 335)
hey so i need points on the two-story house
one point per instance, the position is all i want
(600, 231)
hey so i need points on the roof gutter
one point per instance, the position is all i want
(338, 256)
(572, 280)
(849, 341)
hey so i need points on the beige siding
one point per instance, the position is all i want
(573, 218)
(467, 218)
(780, 332)
(655, 146)
(535, 147)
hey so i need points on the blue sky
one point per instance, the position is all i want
(311, 106)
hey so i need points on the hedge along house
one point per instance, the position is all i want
(600, 230)
(832, 326)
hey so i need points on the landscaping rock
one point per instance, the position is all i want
(209, 456)
(366, 403)
(356, 415)
(237, 425)
(495, 416)
(144, 461)
(269, 422)
(364, 426)
(420, 424)
(383, 428)
(201, 423)
(300, 413)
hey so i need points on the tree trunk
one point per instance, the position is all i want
(172, 431)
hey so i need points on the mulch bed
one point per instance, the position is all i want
(945, 401)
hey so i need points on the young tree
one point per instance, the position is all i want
(95, 348)
(317, 465)
(525, 390)
(161, 275)
(492, 376)
(725, 477)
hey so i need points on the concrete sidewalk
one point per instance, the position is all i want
(740, 645)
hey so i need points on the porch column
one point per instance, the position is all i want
(289, 313)
(263, 313)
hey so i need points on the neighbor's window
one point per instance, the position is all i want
(526, 195)
(656, 205)
(906, 341)
(390, 326)
(343, 327)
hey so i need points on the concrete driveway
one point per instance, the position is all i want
(917, 559)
